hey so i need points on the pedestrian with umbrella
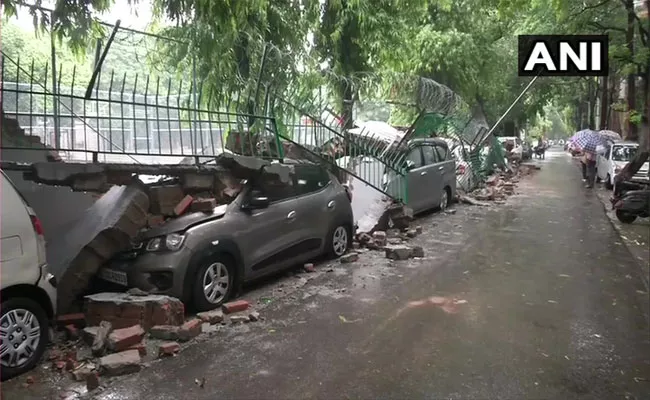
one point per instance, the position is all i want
(588, 141)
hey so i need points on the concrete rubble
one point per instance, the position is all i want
(498, 187)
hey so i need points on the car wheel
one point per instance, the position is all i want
(444, 200)
(338, 241)
(625, 217)
(214, 283)
(608, 183)
(23, 337)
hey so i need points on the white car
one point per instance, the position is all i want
(614, 159)
(28, 289)
(518, 150)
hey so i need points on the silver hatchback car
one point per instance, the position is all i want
(204, 258)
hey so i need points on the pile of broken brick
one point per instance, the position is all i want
(118, 333)
(498, 187)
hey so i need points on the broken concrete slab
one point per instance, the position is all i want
(397, 252)
(126, 362)
(99, 341)
(211, 317)
(349, 258)
(106, 228)
(123, 310)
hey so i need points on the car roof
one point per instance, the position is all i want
(436, 141)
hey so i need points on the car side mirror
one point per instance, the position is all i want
(409, 165)
(256, 201)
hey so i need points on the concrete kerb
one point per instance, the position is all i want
(643, 269)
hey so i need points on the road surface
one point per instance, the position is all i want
(548, 303)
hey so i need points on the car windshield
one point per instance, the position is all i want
(623, 153)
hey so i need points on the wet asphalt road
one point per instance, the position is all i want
(550, 305)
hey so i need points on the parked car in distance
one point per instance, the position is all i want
(615, 159)
(517, 150)
(28, 289)
(431, 176)
(203, 258)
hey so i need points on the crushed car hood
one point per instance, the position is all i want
(183, 222)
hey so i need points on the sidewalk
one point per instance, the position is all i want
(635, 236)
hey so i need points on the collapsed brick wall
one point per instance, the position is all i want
(13, 135)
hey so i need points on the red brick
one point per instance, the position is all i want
(77, 319)
(164, 332)
(183, 205)
(123, 311)
(203, 205)
(60, 364)
(70, 355)
(29, 380)
(140, 347)
(122, 339)
(189, 330)
(235, 306)
(168, 349)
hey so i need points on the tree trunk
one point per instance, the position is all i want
(604, 102)
(631, 80)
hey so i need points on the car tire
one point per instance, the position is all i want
(625, 217)
(339, 240)
(608, 183)
(32, 342)
(215, 272)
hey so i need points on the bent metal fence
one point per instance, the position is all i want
(127, 119)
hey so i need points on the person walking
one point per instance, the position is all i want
(590, 167)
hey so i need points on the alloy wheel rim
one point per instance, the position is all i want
(216, 282)
(340, 241)
(20, 334)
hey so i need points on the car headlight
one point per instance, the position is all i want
(174, 241)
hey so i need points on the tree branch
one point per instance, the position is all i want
(606, 28)
(591, 7)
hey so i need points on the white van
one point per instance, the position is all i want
(28, 289)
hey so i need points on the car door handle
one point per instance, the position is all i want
(331, 204)
(291, 215)
(423, 173)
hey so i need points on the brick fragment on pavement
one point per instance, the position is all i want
(165, 332)
(122, 339)
(168, 349)
(125, 362)
(184, 205)
(235, 319)
(211, 317)
(417, 251)
(234, 306)
(82, 372)
(189, 330)
(254, 316)
(203, 205)
(349, 258)
(309, 267)
(450, 211)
